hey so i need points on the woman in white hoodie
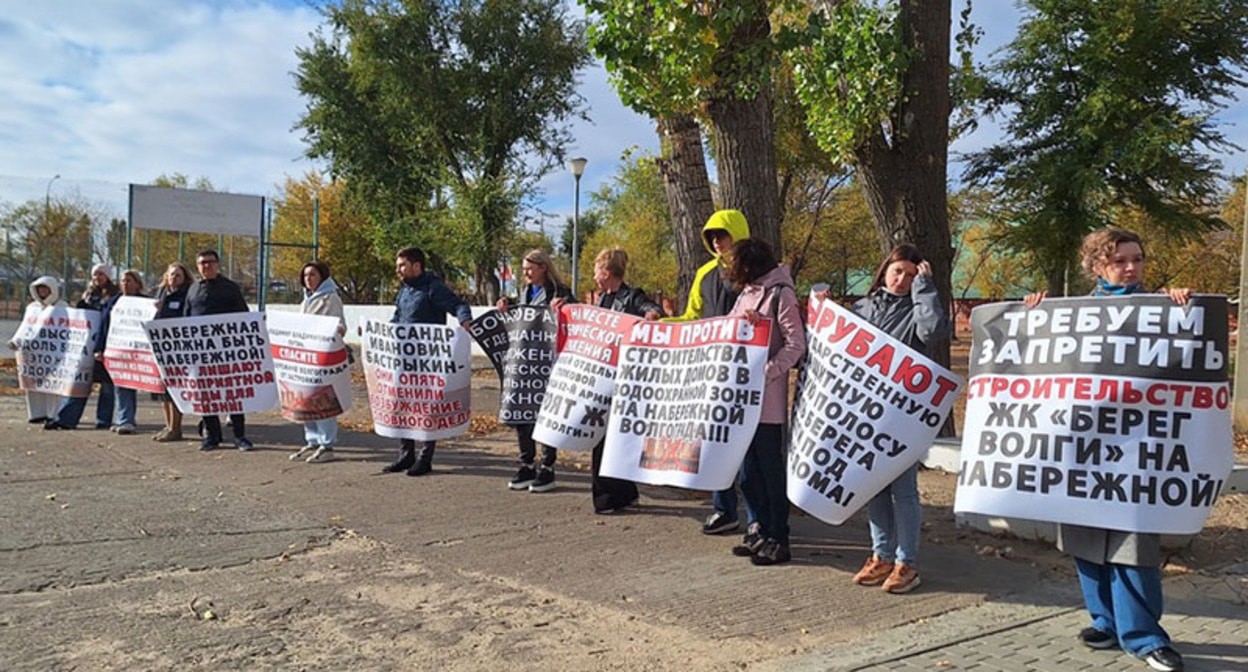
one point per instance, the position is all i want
(320, 297)
(45, 292)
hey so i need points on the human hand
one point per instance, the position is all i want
(1033, 299)
(751, 316)
(558, 303)
(652, 315)
(501, 305)
(1179, 295)
(925, 268)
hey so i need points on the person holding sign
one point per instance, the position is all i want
(611, 495)
(171, 302)
(422, 299)
(320, 297)
(97, 296)
(127, 397)
(767, 293)
(1119, 572)
(902, 301)
(215, 294)
(542, 285)
(45, 292)
(713, 296)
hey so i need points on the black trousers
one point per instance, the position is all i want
(528, 447)
(610, 493)
(212, 426)
(426, 451)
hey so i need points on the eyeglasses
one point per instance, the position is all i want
(206, 262)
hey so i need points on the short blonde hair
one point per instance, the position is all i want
(1100, 245)
(614, 259)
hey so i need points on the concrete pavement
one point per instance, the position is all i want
(112, 546)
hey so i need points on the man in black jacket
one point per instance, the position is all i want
(423, 299)
(215, 294)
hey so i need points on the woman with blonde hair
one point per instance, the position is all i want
(171, 302)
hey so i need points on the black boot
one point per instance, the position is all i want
(407, 457)
(424, 463)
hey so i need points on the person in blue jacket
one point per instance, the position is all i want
(422, 299)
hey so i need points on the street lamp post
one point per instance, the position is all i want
(578, 168)
(47, 216)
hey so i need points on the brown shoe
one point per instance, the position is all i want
(873, 572)
(903, 579)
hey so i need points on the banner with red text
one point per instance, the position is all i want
(128, 354)
(868, 407)
(688, 396)
(419, 379)
(578, 395)
(56, 350)
(1111, 412)
(215, 364)
(312, 367)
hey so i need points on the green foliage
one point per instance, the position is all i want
(830, 233)
(442, 115)
(633, 210)
(1108, 105)
(849, 77)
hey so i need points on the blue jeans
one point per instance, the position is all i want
(127, 406)
(70, 412)
(321, 432)
(1124, 601)
(896, 518)
(725, 502)
(763, 482)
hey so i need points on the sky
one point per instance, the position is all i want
(105, 93)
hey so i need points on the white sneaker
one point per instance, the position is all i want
(299, 454)
(322, 454)
(124, 429)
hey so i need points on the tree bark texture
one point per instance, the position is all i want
(745, 158)
(903, 170)
(688, 187)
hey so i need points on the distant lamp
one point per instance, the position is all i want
(577, 166)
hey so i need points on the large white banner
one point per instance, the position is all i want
(128, 354)
(56, 350)
(688, 396)
(419, 379)
(1112, 412)
(578, 395)
(868, 407)
(312, 366)
(215, 364)
(195, 211)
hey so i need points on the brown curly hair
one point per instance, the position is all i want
(1100, 245)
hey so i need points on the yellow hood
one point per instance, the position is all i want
(731, 221)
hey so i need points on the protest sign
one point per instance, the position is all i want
(520, 342)
(56, 350)
(578, 395)
(310, 360)
(419, 379)
(215, 364)
(128, 354)
(1104, 411)
(868, 407)
(688, 396)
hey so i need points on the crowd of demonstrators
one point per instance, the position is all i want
(1119, 572)
(320, 297)
(98, 296)
(215, 294)
(712, 295)
(45, 292)
(767, 291)
(422, 299)
(542, 285)
(170, 303)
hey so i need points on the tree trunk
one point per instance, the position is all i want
(904, 174)
(745, 157)
(487, 283)
(683, 167)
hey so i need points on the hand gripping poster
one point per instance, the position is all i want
(1104, 411)
(419, 379)
(128, 354)
(578, 396)
(868, 407)
(312, 366)
(55, 350)
(215, 364)
(520, 343)
(688, 397)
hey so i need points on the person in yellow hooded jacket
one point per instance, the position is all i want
(712, 296)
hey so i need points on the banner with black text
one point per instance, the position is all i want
(419, 379)
(312, 366)
(688, 396)
(1111, 412)
(128, 354)
(868, 407)
(215, 364)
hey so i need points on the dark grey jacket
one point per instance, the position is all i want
(918, 320)
(629, 300)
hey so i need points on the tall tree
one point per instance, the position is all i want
(445, 113)
(1109, 104)
(682, 164)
